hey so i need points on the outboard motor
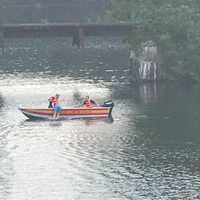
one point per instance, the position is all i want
(109, 104)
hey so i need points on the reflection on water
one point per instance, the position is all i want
(87, 122)
(148, 150)
(148, 93)
(1, 101)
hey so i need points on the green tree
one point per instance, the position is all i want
(173, 25)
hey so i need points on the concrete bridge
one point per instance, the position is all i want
(77, 31)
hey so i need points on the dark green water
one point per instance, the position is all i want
(151, 150)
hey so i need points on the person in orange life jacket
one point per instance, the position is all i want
(89, 103)
(51, 100)
(56, 106)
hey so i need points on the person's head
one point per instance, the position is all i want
(87, 97)
(57, 96)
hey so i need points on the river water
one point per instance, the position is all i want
(149, 150)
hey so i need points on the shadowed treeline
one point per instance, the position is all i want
(173, 27)
(38, 11)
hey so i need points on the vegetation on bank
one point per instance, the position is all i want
(173, 26)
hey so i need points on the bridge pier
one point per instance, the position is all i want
(134, 66)
(78, 38)
(2, 40)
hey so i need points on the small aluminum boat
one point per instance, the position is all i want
(103, 111)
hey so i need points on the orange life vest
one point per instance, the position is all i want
(88, 103)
